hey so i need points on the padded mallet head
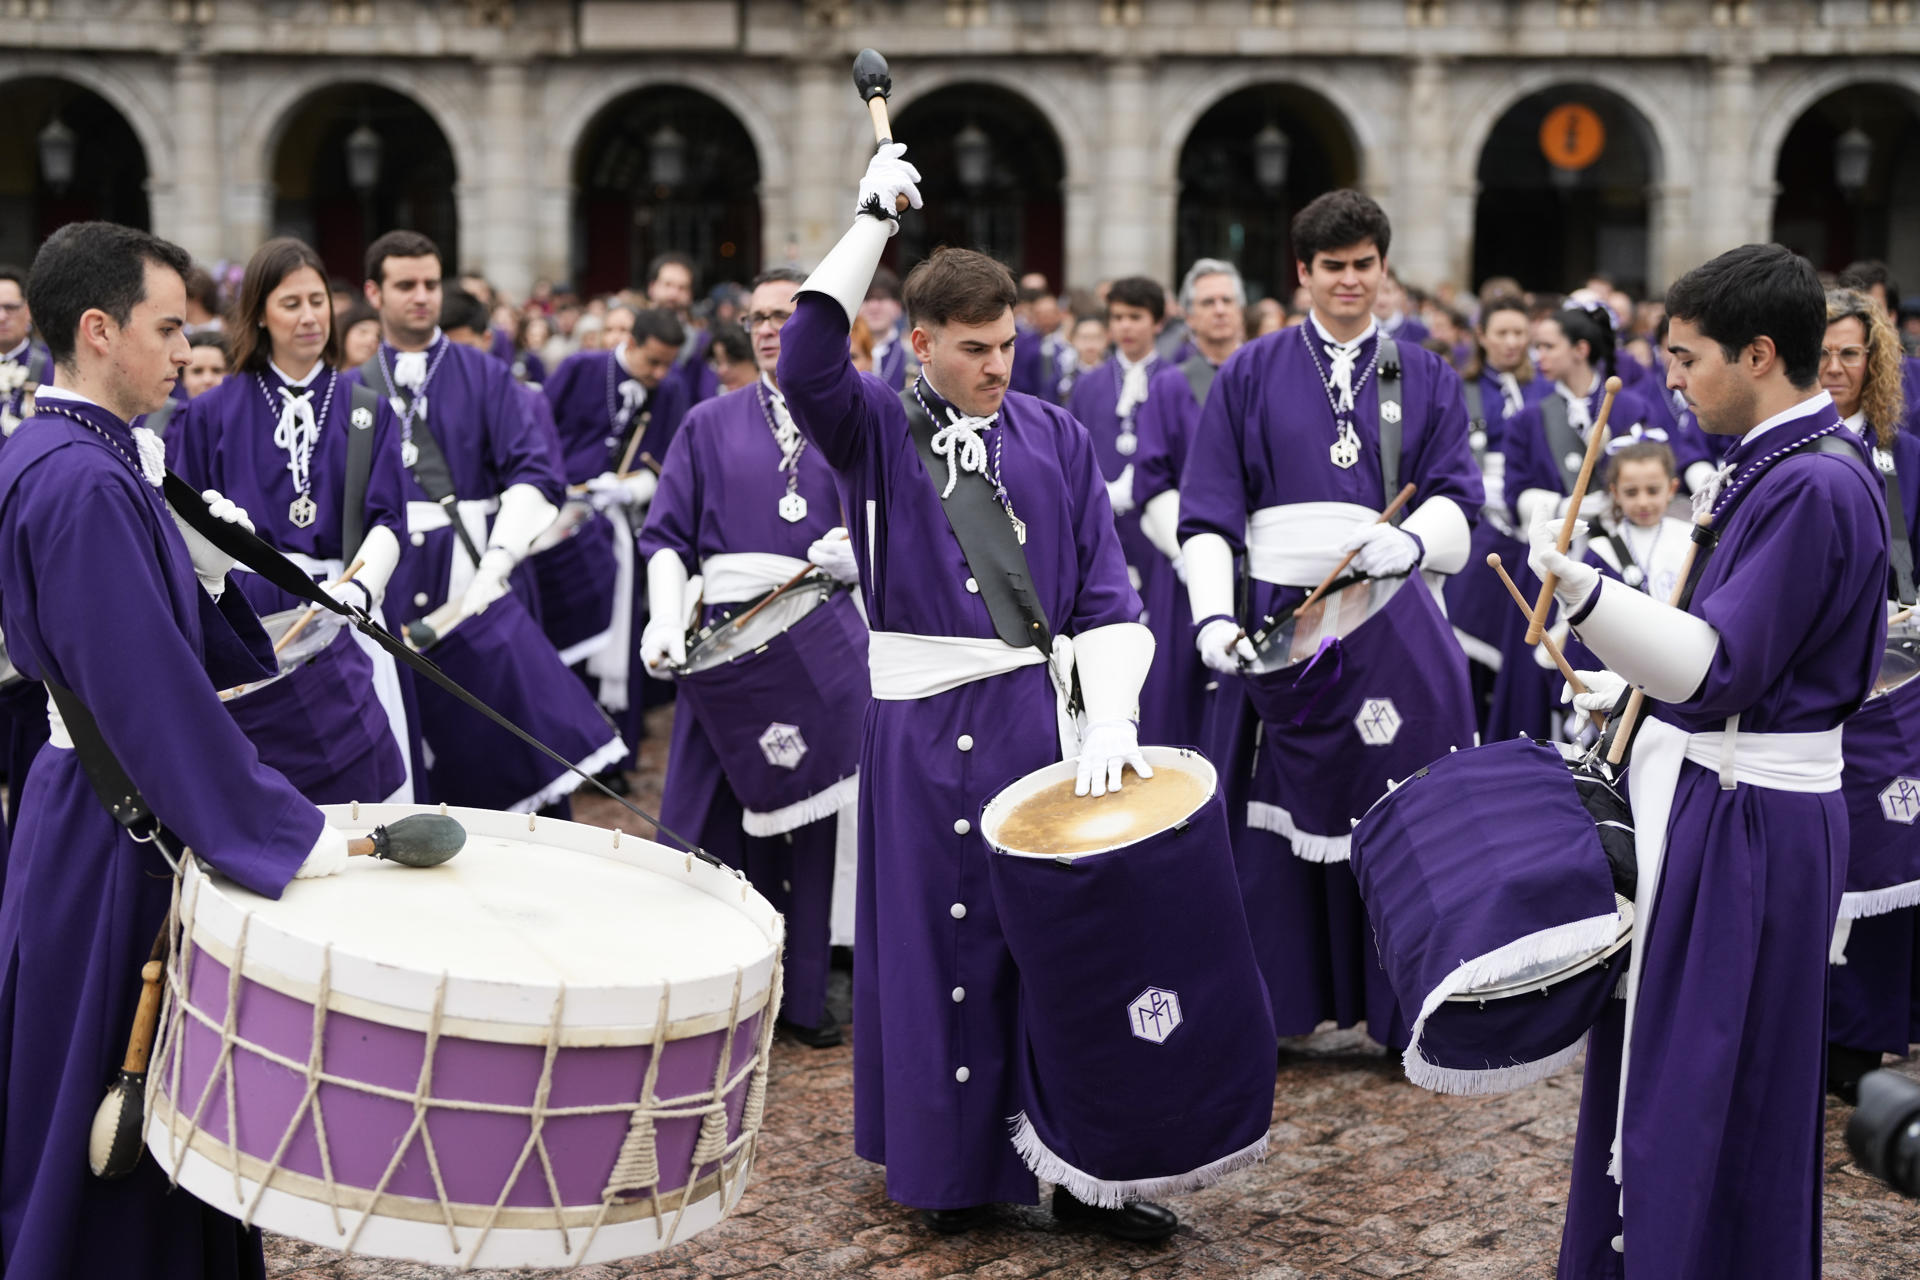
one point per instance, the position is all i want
(114, 1145)
(419, 840)
(870, 75)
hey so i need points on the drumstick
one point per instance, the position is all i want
(626, 459)
(773, 595)
(114, 1142)
(419, 840)
(875, 84)
(1386, 517)
(1628, 718)
(1553, 650)
(1900, 617)
(313, 611)
(1595, 442)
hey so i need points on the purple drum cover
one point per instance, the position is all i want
(475, 1150)
(322, 725)
(1881, 782)
(1375, 705)
(574, 578)
(1487, 864)
(803, 695)
(1146, 1058)
(501, 656)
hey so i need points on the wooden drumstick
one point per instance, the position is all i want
(1631, 716)
(775, 594)
(1400, 500)
(875, 83)
(115, 1139)
(1546, 638)
(1900, 617)
(1596, 441)
(300, 623)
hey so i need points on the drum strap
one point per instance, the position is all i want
(987, 540)
(111, 785)
(1199, 373)
(1390, 415)
(39, 366)
(353, 512)
(430, 469)
(1476, 417)
(1563, 441)
(1899, 546)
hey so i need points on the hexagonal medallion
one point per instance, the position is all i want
(782, 745)
(1900, 802)
(1378, 722)
(1154, 1014)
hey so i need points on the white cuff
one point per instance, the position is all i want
(1209, 576)
(1535, 505)
(1160, 521)
(524, 515)
(1654, 645)
(1442, 527)
(380, 551)
(1112, 662)
(667, 586)
(328, 855)
(848, 268)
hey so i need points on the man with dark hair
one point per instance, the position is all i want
(90, 556)
(1307, 435)
(1704, 1091)
(1106, 401)
(670, 282)
(1396, 312)
(935, 994)
(24, 363)
(745, 504)
(882, 311)
(1029, 360)
(463, 318)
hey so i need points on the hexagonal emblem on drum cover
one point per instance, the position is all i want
(782, 745)
(1900, 802)
(1154, 1014)
(1378, 721)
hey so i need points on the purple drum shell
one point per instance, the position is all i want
(322, 725)
(574, 578)
(475, 1150)
(1881, 782)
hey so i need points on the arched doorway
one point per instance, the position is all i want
(1553, 225)
(1247, 167)
(991, 171)
(665, 168)
(66, 156)
(1847, 164)
(356, 160)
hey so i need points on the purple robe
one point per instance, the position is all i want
(1406, 330)
(933, 1085)
(1722, 1151)
(719, 493)
(83, 900)
(335, 748)
(1174, 696)
(1029, 376)
(691, 374)
(1095, 403)
(1262, 442)
(890, 359)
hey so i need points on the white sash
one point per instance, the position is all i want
(1298, 545)
(905, 667)
(741, 575)
(425, 517)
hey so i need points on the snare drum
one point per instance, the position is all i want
(1146, 1066)
(1881, 783)
(1361, 689)
(549, 1051)
(501, 656)
(1497, 911)
(782, 700)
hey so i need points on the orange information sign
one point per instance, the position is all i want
(1572, 136)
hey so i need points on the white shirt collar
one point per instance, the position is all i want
(1811, 404)
(766, 380)
(290, 380)
(1856, 422)
(1126, 364)
(1313, 318)
(19, 353)
(67, 393)
(432, 342)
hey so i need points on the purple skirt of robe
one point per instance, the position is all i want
(322, 725)
(785, 719)
(575, 582)
(1369, 707)
(1478, 605)
(1173, 699)
(501, 657)
(1486, 868)
(1145, 1060)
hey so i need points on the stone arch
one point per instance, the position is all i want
(271, 118)
(142, 113)
(1076, 151)
(1670, 153)
(1798, 95)
(1364, 134)
(578, 116)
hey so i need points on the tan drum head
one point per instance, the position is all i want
(1039, 816)
(1539, 978)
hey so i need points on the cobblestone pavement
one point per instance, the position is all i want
(1368, 1176)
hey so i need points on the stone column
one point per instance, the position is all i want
(500, 243)
(197, 178)
(1426, 250)
(1127, 236)
(818, 200)
(1727, 202)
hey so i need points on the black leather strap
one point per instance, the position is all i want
(1899, 546)
(1391, 411)
(115, 790)
(1476, 418)
(430, 469)
(1199, 373)
(1563, 440)
(364, 410)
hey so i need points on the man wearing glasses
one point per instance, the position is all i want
(745, 503)
(24, 363)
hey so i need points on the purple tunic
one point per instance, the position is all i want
(1175, 693)
(1029, 376)
(1095, 403)
(1262, 442)
(719, 493)
(340, 747)
(1722, 1153)
(932, 1081)
(83, 901)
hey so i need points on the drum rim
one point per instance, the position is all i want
(1400, 581)
(994, 813)
(1507, 989)
(825, 588)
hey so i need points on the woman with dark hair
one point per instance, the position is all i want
(530, 335)
(316, 462)
(359, 331)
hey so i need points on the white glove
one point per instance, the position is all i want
(1180, 568)
(663, 645)
(1574, 581)
(1108, 749)
(888, 177)
(609, 490)
(327, 857)
(489, 580)
(1385, 551)
(1120, 491)
(834, 553)
(352, 593)
(379, 555)
(1222, 647)
(210, 564)
(1603, 692)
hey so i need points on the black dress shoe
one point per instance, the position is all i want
(1845, 1066)
(1140, 1221)
(823, 1035)
(951, 1222)
(614, 780)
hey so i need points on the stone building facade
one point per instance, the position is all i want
(1120, 135)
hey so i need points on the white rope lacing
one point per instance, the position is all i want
(297, 432)
(961, 444)
(1342, 357)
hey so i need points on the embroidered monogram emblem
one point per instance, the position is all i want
(1154, 1014)
(1378, 722)
(363, 417)
(1390, 412)
(1900, 802)
(782, 745)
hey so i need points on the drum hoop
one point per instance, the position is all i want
(1264, 640)
(1572, 969)
(821, 589)
(994, 814)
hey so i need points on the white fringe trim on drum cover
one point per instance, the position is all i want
(1105, 1194)
(569, 782)
(585, 649)
(1478, 650)
(1306, 846)
(1559, 943)
(1877, 902)
(821, 804)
